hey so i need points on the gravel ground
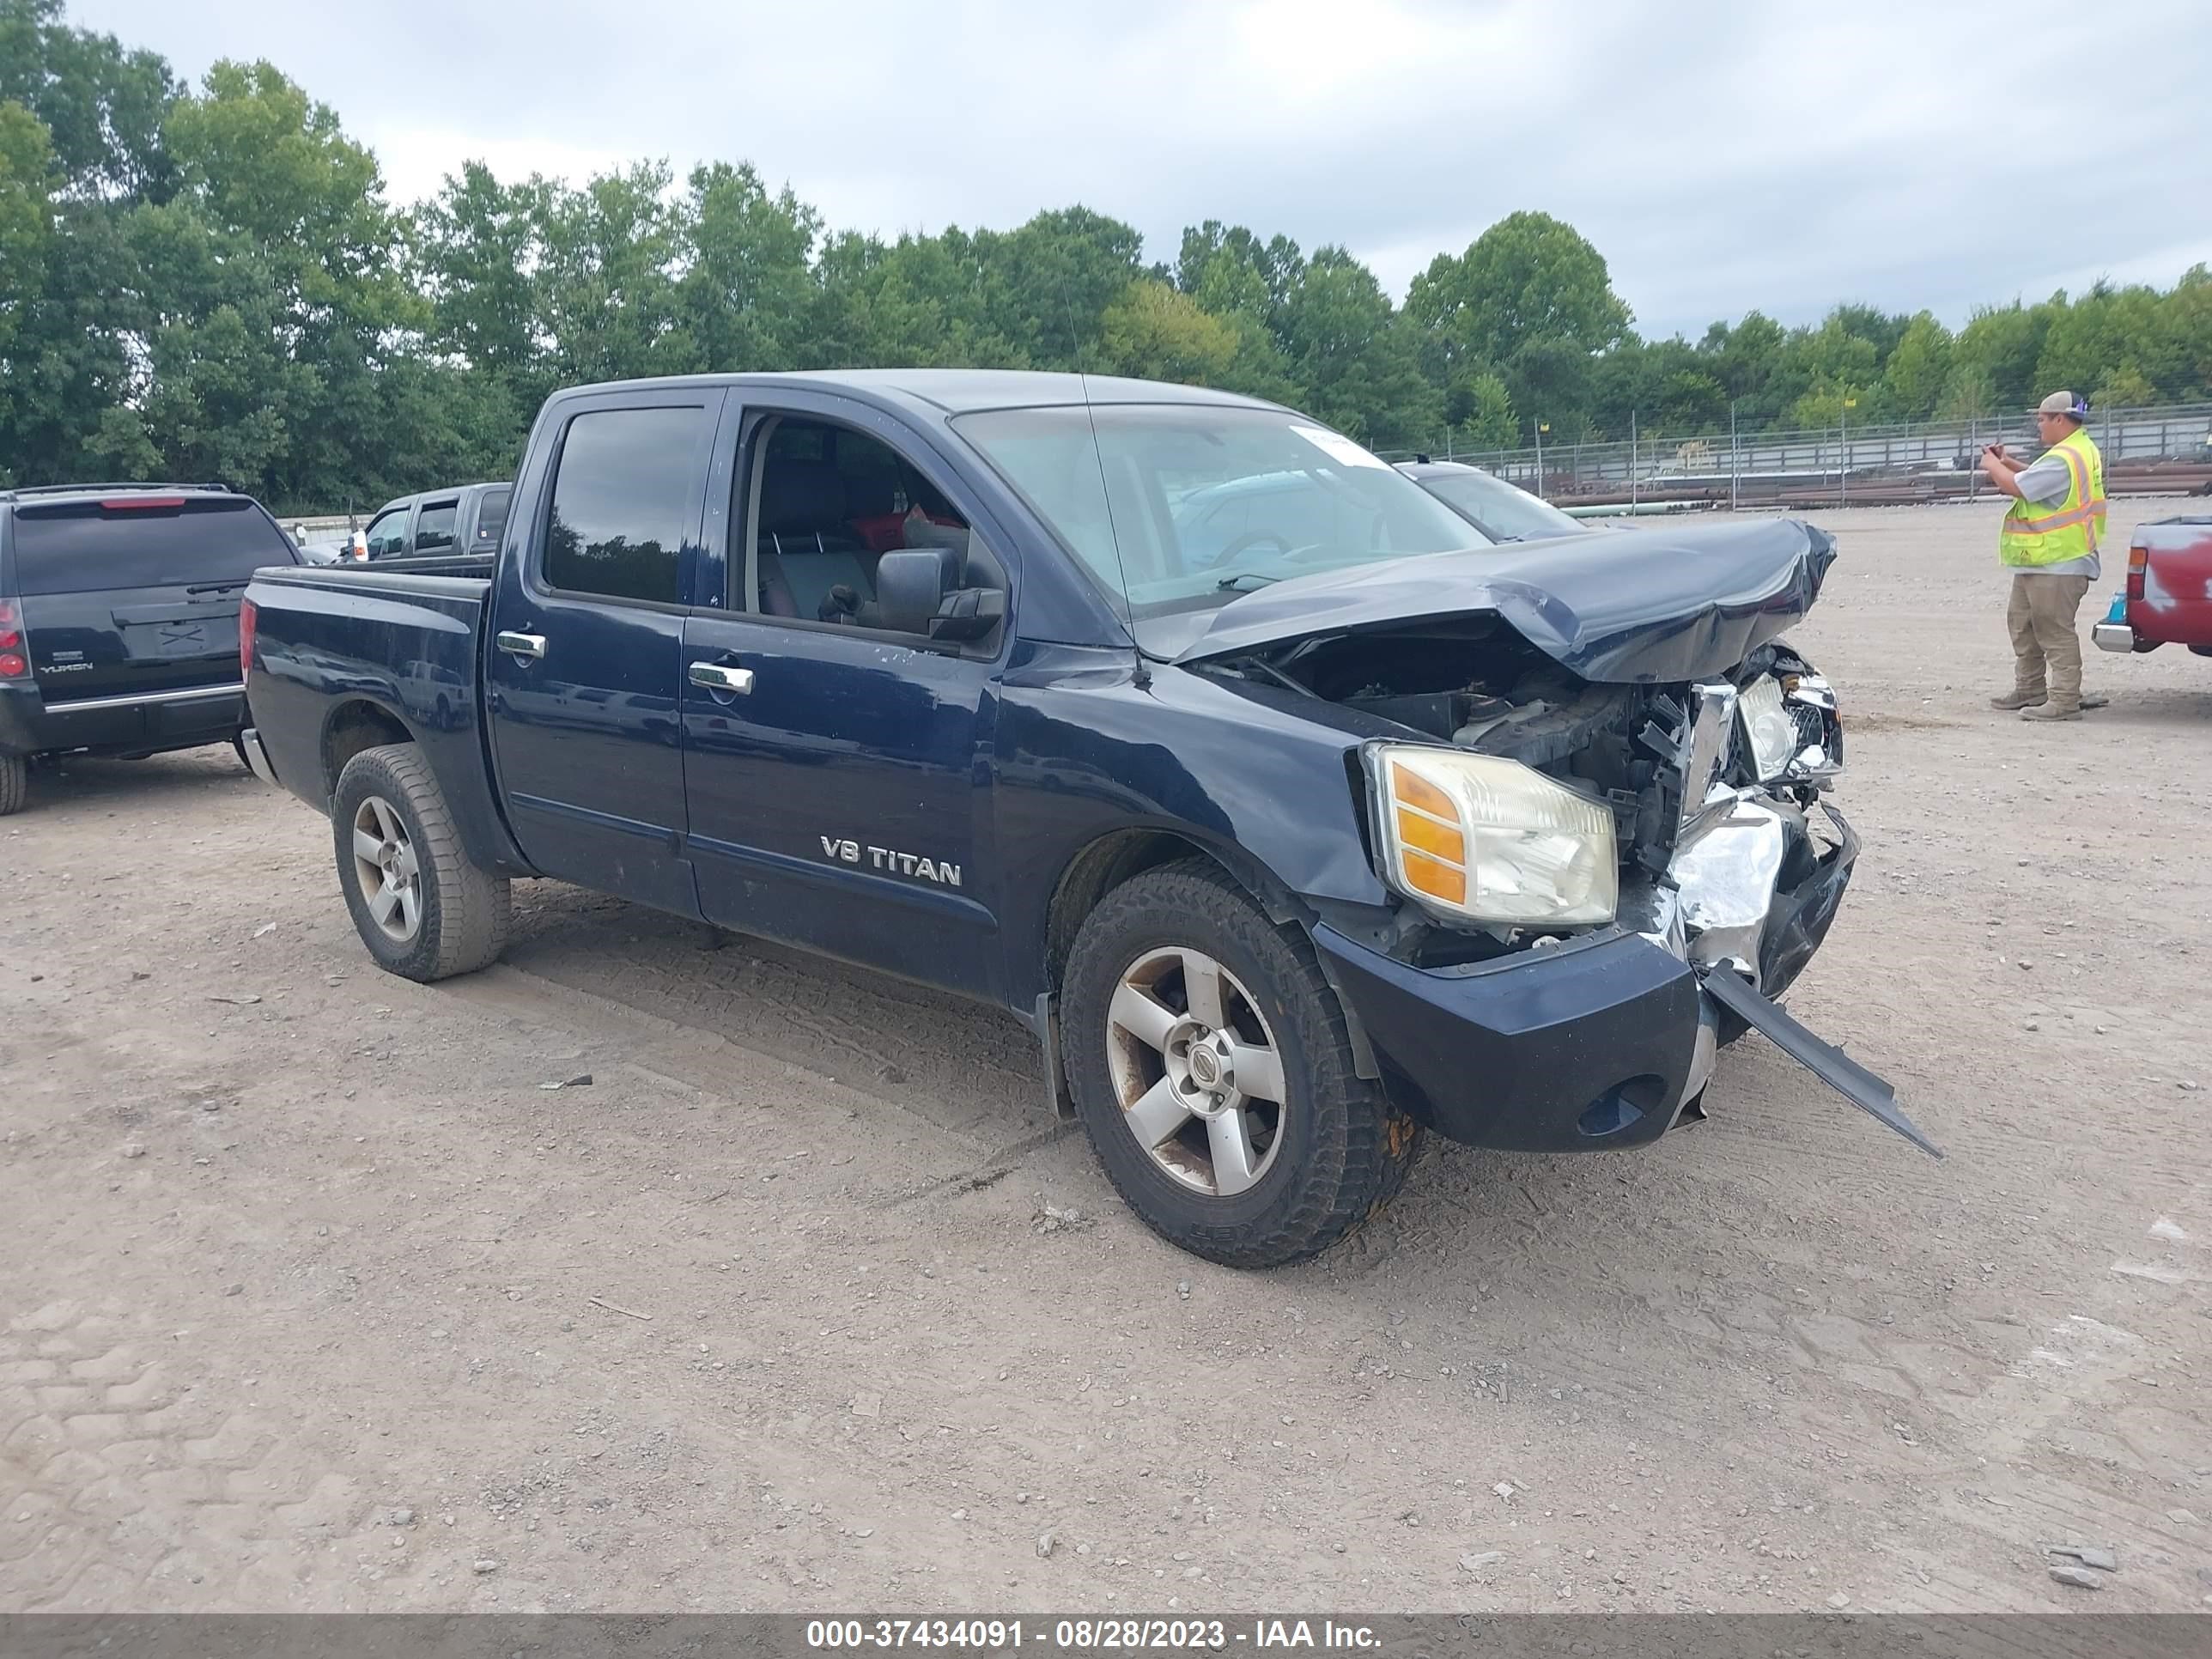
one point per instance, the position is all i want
(312, 1296)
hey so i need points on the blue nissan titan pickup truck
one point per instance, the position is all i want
(1292, 817)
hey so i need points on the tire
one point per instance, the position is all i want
(450, 917)
(238, 747)
(1336, 1150)
(15, 783)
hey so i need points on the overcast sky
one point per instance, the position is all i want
(1776, 153)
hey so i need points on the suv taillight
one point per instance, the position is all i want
(14, 657)
(249, 617)
(2138, 562)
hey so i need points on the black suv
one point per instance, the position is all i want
(118, 619)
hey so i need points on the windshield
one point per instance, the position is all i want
(1506, 512)
(1178, 509)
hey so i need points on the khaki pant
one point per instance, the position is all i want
(2041, 617)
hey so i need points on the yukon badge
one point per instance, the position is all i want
(942, 871)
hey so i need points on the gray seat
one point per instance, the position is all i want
(804, 550)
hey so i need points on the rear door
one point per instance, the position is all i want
(583, 671)
(136, 596)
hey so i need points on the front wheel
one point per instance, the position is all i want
(1214, 1074)
(425, 911)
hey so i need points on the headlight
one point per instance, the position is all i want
(1486, 839)
(1769, 729)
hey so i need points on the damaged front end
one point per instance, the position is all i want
(1708, 797)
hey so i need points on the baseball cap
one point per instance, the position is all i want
(2064, 403)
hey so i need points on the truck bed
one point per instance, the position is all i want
(347, 656)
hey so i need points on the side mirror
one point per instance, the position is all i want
(910, 587)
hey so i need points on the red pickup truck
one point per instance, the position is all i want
(2168, 599)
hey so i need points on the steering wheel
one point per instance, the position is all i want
(1249, 539)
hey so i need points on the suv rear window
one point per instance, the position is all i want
(81, 547)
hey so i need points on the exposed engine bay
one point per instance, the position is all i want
(1716, 787)
(1731, 859)
(1561, 742)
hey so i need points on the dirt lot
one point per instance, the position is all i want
(322, 1300)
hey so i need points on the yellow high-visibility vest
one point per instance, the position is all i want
(2033, 534)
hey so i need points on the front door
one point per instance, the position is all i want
(586, 661)
(837, 770)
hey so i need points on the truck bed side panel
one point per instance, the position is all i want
(335, 646)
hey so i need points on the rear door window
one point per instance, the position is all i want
(82, 547)
(625, 496)
(434, 525)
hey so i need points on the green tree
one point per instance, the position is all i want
(2004, 343)
(1528, 278)
(1968, 394)
(103, 107)
(749, 290)
(606, 298)
(1358, 362)
(269, 293)
(1156, 333)
(1918, 366)
(2124, 386)
(1479, 411)
(475, 250)
(2105, 329)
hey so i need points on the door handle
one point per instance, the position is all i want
(531, 646)
(714, 677)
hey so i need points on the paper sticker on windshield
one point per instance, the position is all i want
(1338, 447)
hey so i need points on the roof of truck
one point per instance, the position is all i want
(959, 390)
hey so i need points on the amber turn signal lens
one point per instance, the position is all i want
(1414, 791)
(1439, 881)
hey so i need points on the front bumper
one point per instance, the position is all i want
(1593, 1044)
(1598, 1043)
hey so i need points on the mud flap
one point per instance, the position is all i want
(1824, 1059)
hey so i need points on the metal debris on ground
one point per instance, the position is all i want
(581, 1080)
(2088, 1554)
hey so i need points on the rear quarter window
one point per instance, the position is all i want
(81, 547)
(491, 519)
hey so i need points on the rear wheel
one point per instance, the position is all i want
(424, 911)
(1213, 1072)
(15, 783)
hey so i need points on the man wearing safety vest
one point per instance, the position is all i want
(2049, 541)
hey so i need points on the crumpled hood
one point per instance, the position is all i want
(1678, 603)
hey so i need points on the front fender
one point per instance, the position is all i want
(1085, 753)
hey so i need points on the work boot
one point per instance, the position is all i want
(2023, 697)
(2090, 700)
(2053, 708)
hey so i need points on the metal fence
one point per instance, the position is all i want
(1836, 458)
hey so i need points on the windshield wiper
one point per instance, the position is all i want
(1229, 582)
